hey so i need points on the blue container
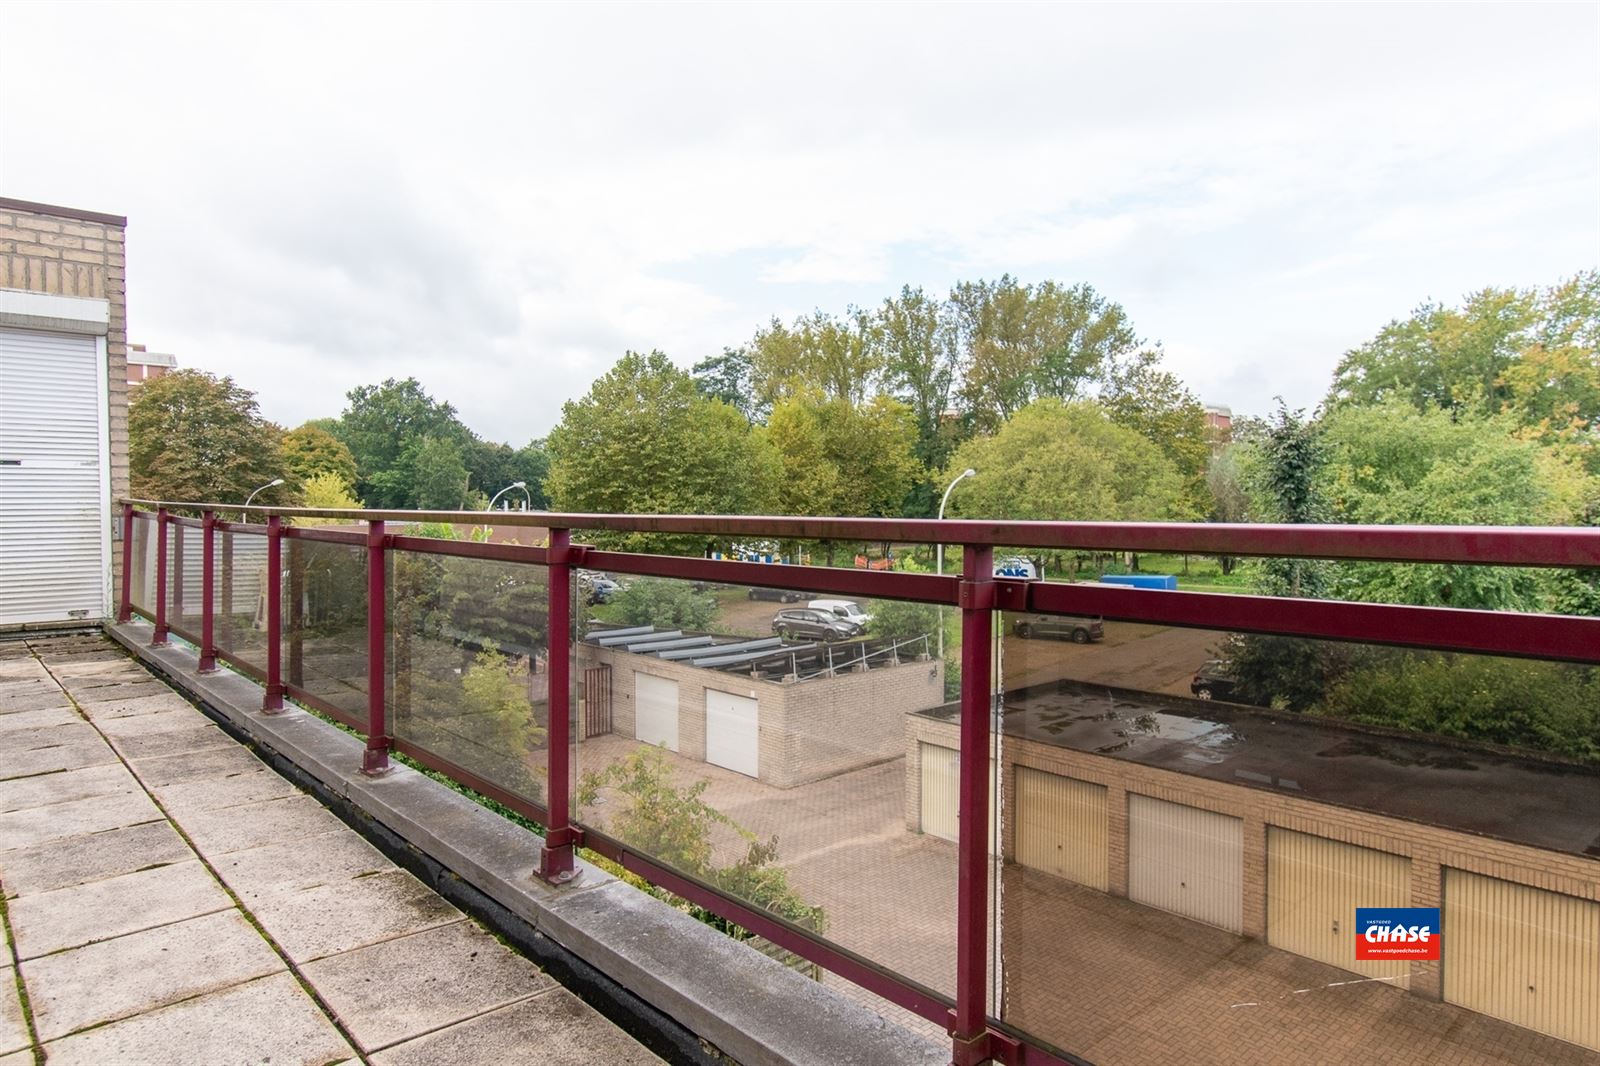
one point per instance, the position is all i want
(1166, 582)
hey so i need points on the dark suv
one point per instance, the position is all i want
(1213, 681)
(1060, 627)
(813, 625)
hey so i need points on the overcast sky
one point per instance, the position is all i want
(501, 200)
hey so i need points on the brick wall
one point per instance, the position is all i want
(808, 729)
(63, 252)
(1430, 849)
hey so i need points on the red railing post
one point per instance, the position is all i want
(125, 604)
(272, 700)
(208, 591)
(556, 862)
(160, 637)
(971, 1039)
(375, 760)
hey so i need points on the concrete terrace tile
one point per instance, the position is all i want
(33, 696)
(186, 798)
(251, 825)
(13, 1026)
(177, 720)
(46, 922)
(121, 706)
(133, 974)
(269, 1020)
(36, 825)
(91, 857)
(205, 764)
(175, 742)
(115, 665)
(74, 755)
(567, 1032)
(49, 716)
(398, 989)
(22, 667)
(48, 789)
(128, 690)
(73, 731)
(299, 864)
(328, 919)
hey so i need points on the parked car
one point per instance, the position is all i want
(781, 595)
(813, 625)
(849, 610)
(1213, 681)
(1060, 627)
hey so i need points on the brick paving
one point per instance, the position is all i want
(169, 898)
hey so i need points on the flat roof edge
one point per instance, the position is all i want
(8, 204)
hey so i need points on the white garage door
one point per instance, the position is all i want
(655, 710)
(1187, 861)
(1061, 827)
(733, 732)
(1314, 886)
(1523, 954)
(941, 794)
(54, 479)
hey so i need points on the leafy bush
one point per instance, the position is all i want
(665, 604)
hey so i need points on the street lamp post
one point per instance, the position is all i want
(938, 549)
(523, 485)
(274, 483)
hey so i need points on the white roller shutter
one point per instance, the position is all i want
(1062, 827)
(1314, 886)
(1187, 861)
(733, 732)
(54, 478)
(655, 710)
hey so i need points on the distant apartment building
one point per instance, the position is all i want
(1219, 420)
(63, 411)
(144, 366)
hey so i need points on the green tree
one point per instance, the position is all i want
(326, 490)
(1018, 343)
(643, 441)
(902, 619)
(311, 451)
(383, 426)
(729, 377)
(492, 466)
(919, 353)
(195, 436)
(841, 357)
(1229, 500)
(1154, 403)
(665, 604)
(436, 472)
(1065, 462)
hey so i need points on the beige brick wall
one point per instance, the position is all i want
(63, 252)
(808, 729)
(1431, 849)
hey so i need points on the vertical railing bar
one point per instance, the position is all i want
(375, 759)
(272, 700)
(970, 1043)
(208, 582)
(160, 637)
(125, 604)
(556, 861)
(177, 567)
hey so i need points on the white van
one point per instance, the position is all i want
(848, 610)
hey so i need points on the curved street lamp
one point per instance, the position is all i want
(938, 549)
(274, 483)
(523, 485)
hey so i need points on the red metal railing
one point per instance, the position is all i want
(975, 592)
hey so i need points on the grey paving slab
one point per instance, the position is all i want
(250, 825)
(70, 756)
(90, 857)
(175, 742)
(207, 763)
(133, 690)
(269, 1020)
(392, 991)
(46, 922)
(49, 716)
(44, 790)
(565, 1030)
(73, 731)
(32, 697)
(176, 719)
(115, 665)
(133, 974)
(35, 825)
(20, 1058)
(13, 1026)
(327, 919)
(22, 667)
(130, 707)
(184, 799)
(297, 865)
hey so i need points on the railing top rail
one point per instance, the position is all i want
(1559, 546)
